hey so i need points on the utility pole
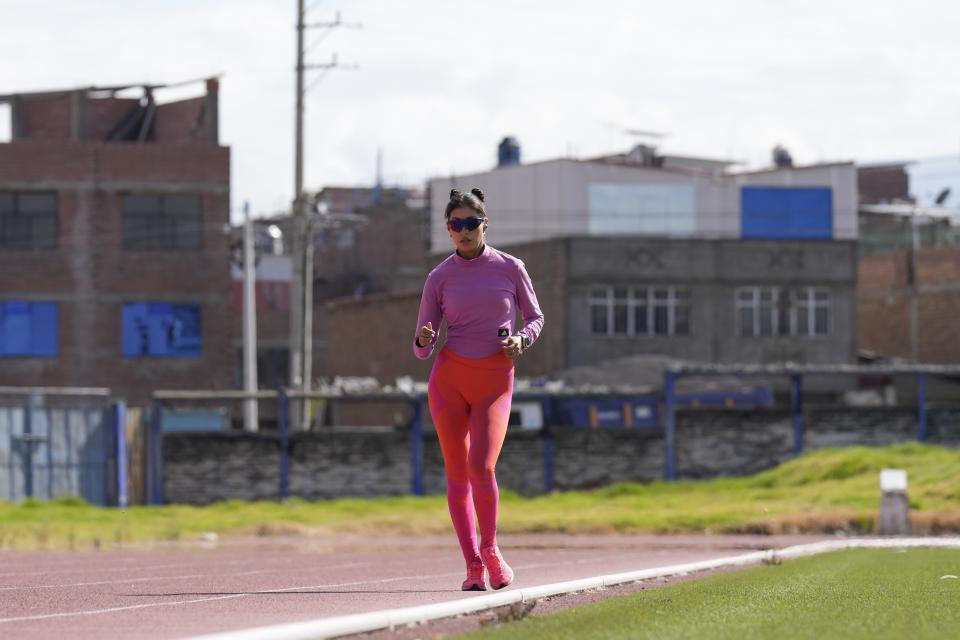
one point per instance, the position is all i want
(301, 288)
(914, 284)
(297, 244)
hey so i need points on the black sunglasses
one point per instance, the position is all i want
(459, 224)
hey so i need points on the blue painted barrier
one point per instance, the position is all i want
(119, 413)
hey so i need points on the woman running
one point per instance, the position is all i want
(478, 290)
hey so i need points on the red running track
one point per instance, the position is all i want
(175, 591)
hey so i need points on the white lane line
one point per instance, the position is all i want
(90, 612)
(267, 592)
(285, 560)
(391, 618)
(256, 593)
(178, 577)
(86, 569)
(131, 580)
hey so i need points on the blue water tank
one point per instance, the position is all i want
(508, 152)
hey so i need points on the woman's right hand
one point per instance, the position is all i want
(427, 334)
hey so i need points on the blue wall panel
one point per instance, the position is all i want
(786, 213)
(162, 330)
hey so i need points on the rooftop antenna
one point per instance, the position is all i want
(647, 136)
(378, 186)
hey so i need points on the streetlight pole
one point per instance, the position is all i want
(298, 244)
(250, 410)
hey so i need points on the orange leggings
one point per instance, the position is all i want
(470, 405)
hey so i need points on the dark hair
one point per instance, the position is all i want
(472, 200)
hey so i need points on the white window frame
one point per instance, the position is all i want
(804, 300)
(799, 299)
(639, 296)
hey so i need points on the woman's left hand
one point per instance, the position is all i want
(512, 346)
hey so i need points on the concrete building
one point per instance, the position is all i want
(645, 194)
(654, 254)
(113, 258)
(708, 300)
(678, 256)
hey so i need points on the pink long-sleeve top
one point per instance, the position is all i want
(479, 299)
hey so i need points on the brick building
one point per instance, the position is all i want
(909, 270)
(908, 308)
(368, 242)
(114, 269)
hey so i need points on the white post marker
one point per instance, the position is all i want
(894, 517)
(893, 480)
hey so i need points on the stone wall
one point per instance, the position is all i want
(204, 468)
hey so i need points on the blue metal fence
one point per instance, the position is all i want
(62, 442)
(795, 373)
(549, 403)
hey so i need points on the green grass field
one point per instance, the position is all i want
(823, 491)
(849, 594)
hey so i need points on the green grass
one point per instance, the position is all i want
(823, 491)
(849, 594)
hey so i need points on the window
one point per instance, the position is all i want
(28, 220)
(6, 122)
(811, 312)
(158, 222)
(639, 311)
(161, 330)
(775, 311)
(28, 329)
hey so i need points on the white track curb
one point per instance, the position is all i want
(390, 618)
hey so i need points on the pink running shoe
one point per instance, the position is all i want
(474, 581)
(497, 568)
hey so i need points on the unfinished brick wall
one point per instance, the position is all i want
(181, 121)
(84, 114)
(44, 118)
(885, 297)
(374, 337)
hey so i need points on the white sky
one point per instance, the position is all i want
(442, 81)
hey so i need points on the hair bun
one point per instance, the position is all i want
(475, 191)
(454, 194)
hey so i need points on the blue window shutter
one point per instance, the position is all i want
(161, 330)
(44, 337)
(28, 329)
(135, 331)
(786, 212)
